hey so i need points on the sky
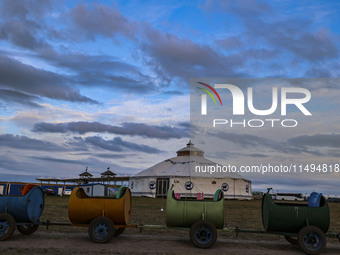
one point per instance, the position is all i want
(107, 83)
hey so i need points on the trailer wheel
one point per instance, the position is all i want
(101, 230)
(7, 226)
(118, 231)
(203, 234)
(312, 240)
(27, 229)
(292, 240)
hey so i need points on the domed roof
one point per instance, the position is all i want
(190, 150)
(185, 164)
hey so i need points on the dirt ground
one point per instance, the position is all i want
(52, 242)
(75, 240)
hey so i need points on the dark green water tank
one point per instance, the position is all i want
(183, 213)
(291, 217)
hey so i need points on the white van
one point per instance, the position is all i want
(67, 192)
(289, 196)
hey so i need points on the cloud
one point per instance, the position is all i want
(19, 98)
(318, 140)
(286, 35)
(286, 32)
(117, 144)
(230, 43)
(22, 22)
(98, 19)
(57, 160)
(172, 56)
(132, 129)
(296, 35)
(106, 155)
(101, 70)
(15, 75)
(25, 9)
(21, 34)
(251, 141)
(26, 143)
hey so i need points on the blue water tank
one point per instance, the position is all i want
(27, 208)
(314, 199)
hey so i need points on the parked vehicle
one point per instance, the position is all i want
(67, 192)
(257, 195)
(289, 196)
(49, 192)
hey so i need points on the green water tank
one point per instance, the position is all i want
(183, 213)
(291, 217)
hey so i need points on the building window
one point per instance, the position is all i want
(213, 182)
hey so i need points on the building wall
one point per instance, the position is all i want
(8, 188)
(94, 189)
(3, 188)
(143, 186)
(189, 187)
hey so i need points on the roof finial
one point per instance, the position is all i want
(190, 144)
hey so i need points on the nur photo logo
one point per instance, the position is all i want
(281, 98)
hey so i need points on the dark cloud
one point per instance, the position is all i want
(251, 141)
(323, 71)
(22, 22)
(132, 129)
(287, 35)
(257, 155)
(182, 58)
(117, 144)
(103, 20)
(286, 32)
(20, 34)
(26, 143)
(230, 43)
(185, 124)
(318, 140)
(302, 43)
(25, 9)
(19, 98)
(57, 160)
(101, 70)
(106, 155)
(15, 75)
(176, 93)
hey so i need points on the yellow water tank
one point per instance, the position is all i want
(82, 209)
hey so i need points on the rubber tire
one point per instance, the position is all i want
(292, 240)
(101, 230)
(118, 231)
(9, 229)
(27, 229)
(304, 240)
(203, 234)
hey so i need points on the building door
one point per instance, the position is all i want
(1, 190)
(162, 187)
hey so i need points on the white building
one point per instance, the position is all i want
(180, 172)
(94, 189)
